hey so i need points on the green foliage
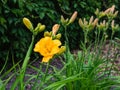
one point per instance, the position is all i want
(88, 69)
(15, 37)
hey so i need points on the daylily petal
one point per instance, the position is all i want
(47, 48)
(47, 58)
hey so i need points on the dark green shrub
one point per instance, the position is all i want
(14, 36)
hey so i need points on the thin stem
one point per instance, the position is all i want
(20, 78)
(66, 39)
(37, 77)
(44, 77)
(27, 57)
(67, 53)
(26, 60)
(107, 63)
(109, 53)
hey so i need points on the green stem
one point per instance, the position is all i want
(109, 53)
(20, 78)
(107, 61)
(26, 60)
(44, 77)
(68, 68)
(37, 77)
(27, 57)
(66, 40)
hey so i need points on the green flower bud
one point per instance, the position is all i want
(28, 23)
(42, 27)
(62, 50)
(58, 36)
(39, 28)
(48, 34)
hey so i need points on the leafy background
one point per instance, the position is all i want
(14, 36)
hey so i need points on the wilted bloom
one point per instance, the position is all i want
(47, 47)
(55, 29)
(28, 23)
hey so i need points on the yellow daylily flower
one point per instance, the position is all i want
(47, 48)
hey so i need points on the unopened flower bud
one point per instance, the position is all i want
(85, 22)
(97, 12)
(112, 8)
(62, 50)
(107, 11)
(115, 14)
(42, 27)
(62, 20)
(47, 34)
(81, 23)
(104, 22)
(38, 27)
(73, 17)
(55, 29)
(28, 23)
(95, 22)
(114, 27)
(58, 36)
(102, 14)
(91, 20)
(112, 23)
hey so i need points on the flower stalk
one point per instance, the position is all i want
(20, 78)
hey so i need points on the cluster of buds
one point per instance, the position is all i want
(39, 28)
(110, 13)
(69, 21)
(99, 14)
(114, 27)
(88, 25)
(103, 26)
(28, 24)
(53, 33)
